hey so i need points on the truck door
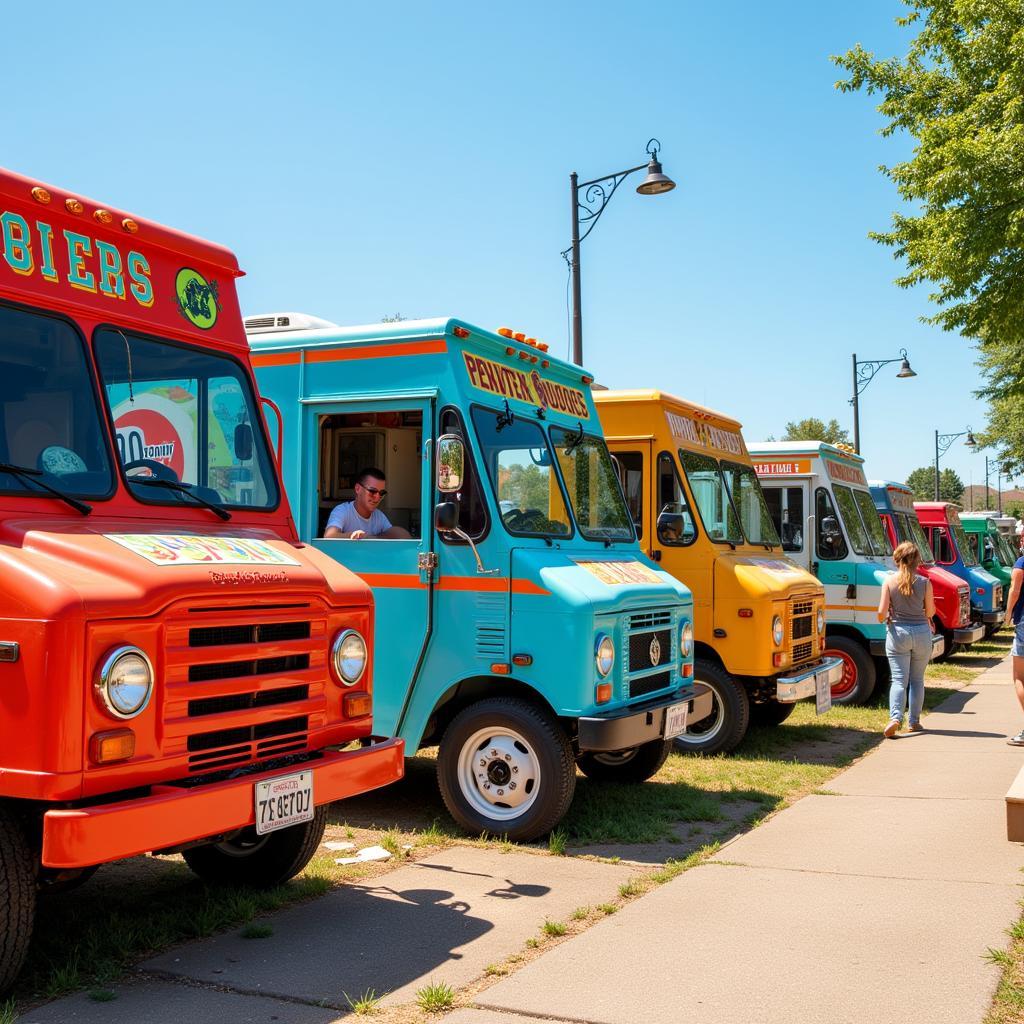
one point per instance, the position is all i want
(788, 508)
(395, 436)
(833, 564)
(633, 464)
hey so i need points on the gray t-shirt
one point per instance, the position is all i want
(347, 519)
(906, 610)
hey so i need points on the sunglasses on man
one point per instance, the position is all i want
(375, 491)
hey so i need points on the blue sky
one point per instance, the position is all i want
(414, 159)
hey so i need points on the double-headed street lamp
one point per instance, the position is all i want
(586, 211)
(864, 371)
(942, 443)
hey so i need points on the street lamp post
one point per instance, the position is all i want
(586, 211)
(942, 443)
(864, 371)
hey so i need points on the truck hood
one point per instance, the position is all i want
(769, 577)
(944, 578)
(605, 582)
(109, 567)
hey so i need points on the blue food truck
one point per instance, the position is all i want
(519, 627)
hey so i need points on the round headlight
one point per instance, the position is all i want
(124, 682)
(686, 639)
(348, 654)
(777, 631)
(604, 654)
(821, 620)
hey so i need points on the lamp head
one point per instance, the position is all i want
(970, 442)
(656, 182)
(905, 370)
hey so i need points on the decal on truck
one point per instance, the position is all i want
(532, 388)
(188, 549)
(615, 573)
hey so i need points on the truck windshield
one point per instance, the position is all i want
(591, 483)
(855, 528)
(869, 515)
(522, 474)
(712, 498)
(184, 415)
(968, 551)
(51, 425)
(1005, 549)
(908, 528)
(748, 499)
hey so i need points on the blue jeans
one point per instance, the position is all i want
(908, 647)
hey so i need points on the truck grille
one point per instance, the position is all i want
(801, 628)
(649, 633)
(246, 686)
(965, 606)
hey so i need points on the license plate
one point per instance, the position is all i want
(675, 719)
(822, 693)
(284, 801)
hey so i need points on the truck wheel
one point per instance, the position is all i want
(858, 679)
(259, 862)
(992, 629)
(727, 724)
(17, 897)
(770, 712)
(635, 765)
(506, 767)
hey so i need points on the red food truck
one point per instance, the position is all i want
(895, 504)
(177, 672)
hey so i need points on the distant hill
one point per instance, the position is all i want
(974, 498)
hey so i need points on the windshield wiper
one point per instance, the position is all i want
(173, 485)
(29, 475)
(575, 440)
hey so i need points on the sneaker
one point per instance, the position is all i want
(894, 727)
(1018, 740)
(916, 727)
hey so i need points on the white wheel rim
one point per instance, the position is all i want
(716, 719)
(498, 773)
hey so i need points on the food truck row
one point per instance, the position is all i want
(187, 665)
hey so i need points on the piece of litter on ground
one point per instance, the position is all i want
(369, 854)
(339, 846)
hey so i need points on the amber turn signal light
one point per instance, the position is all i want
(777, 660)
(114, 745)
(603, 693)
(460, 332)
(356, 705)
(688, 670)
(746, 613)
(501, 668)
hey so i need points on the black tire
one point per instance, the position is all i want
(487, 751)
(259, 862)
(859, 673)
(725, 727)
(770, 712)
(637, 764)
(992, 629)
(17, 896)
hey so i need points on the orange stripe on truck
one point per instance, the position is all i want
(430, 346)
(479, 584)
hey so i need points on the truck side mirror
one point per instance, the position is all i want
(829, 527)
(451, 456)
(446, 516)
(243, 442)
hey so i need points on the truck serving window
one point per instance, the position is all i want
(51, 425)
(593, 487)
(522, 474)
(186, 416)
(748, 499)
(875, 530)
(709, 492)
(851, 519)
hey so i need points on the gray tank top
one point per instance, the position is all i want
(906, 610)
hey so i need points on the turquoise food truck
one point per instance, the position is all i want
(992, 547)
(519, 626)
(818, 497)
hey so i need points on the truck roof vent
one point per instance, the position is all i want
(270, 322)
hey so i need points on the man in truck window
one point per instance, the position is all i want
(362, 518)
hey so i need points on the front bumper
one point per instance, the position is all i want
(988, 618)
(631, 726)
(938, 646)
(969, 634)
(171, 816)
(805, 682)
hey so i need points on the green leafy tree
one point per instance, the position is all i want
(813, 429)
(957, 94)
(922, 483)
(1013, 508)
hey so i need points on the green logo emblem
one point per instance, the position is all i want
(197, 298)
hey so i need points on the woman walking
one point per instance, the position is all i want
(907, 606)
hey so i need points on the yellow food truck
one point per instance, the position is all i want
(696, 502)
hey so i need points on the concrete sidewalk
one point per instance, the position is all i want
(874, 901)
